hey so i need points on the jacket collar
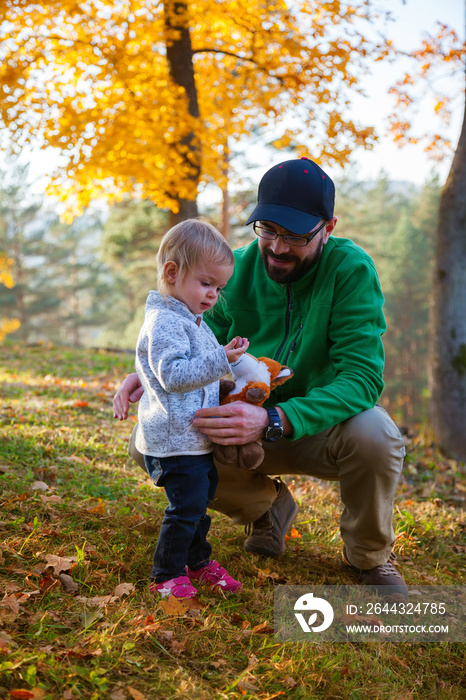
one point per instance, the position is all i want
(156, 301)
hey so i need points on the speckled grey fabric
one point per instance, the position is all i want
(179, 364)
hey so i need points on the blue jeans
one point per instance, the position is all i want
(190, 482)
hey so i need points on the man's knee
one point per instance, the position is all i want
(373, 439)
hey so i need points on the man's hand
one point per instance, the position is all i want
(130, 391)
(237, 423)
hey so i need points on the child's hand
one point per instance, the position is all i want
(236, 348)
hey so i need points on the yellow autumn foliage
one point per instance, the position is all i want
(7, 325)
(92, 79)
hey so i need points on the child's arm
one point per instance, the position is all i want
(170, 359)
(235, 348)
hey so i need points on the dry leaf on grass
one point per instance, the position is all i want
(50, 499)
(289, 682)
(60, 564)
(247, 686)
(123, 589)
(40, 486)
(264, 574)
(10, 602)
(99, 601)
(135, 693)
(262, 628)
(6, 642)
(172, 606)
(68, 583)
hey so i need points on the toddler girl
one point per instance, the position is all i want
(180, 363)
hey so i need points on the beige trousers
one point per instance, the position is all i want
(364, 453)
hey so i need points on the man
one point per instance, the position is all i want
(313, 302)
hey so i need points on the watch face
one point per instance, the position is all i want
(274, 433)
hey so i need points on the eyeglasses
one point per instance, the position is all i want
(289, 239)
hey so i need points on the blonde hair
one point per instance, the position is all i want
(189, 244)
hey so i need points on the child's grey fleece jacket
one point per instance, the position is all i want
(179, 364)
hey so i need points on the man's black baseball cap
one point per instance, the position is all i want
(295, 194)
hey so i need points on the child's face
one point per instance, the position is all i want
(200, 287)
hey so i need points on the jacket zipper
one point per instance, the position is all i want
(293, 344)
(288, 317)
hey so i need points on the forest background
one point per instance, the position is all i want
(85, 283)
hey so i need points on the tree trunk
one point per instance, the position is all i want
(187, 210)
(181, 68)
(448, 313)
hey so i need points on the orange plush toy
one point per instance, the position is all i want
(253, 380)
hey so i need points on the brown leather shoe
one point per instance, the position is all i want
(267, 534)
(386, 580)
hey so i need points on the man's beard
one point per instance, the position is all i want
(299, 270)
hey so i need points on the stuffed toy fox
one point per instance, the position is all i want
(253, 380)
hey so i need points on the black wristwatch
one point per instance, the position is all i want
(274, 430)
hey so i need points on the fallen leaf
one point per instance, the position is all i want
(69, 695)
(263, 574)
(135, 693)
(39, 486)
(177, 647)
(236, 618)
(263, 628)
(123, 589)
(11, 602)
(289, 682)
(38, 693)
(218, 664)
(172, 606)
(4, 468)
(247, 686)
(47, 582)
(80, 404)
(21, 694)
(118, 694)
(68, 583)
(193, 604)
(60, 564)
(50, 499)
(99, 601)
(99, 509)
(6, 642)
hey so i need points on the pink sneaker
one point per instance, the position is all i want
(179, 587)
(215, 575)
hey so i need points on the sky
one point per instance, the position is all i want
(413, 19)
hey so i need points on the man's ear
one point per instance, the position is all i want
(328, 230)
(170, 271)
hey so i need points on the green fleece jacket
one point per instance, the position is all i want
(327, 327)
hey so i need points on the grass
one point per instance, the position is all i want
(99, 519)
